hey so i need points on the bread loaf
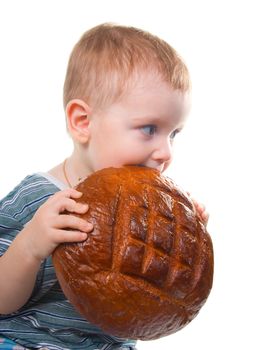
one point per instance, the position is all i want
(147, 267)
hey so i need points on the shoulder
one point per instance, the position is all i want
(23, 201)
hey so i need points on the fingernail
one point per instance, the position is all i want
(84, 206)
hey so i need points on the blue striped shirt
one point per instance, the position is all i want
(47, 319)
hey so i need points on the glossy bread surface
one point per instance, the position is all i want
(147, 267)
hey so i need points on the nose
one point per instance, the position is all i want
(163, 151)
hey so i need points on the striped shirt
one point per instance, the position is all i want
(47, 319)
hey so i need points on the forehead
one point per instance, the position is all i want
(149, 94)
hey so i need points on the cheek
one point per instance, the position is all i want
(119, 149)
(136, 149)
(130, 154)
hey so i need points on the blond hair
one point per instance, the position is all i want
(106, 56)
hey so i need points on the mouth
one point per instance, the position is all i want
(159, 168)
(139, 165)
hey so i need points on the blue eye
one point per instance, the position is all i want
(149, 129)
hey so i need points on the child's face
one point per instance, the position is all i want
(140, 128)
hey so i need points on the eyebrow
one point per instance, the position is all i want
(150, 119)
(146, 117)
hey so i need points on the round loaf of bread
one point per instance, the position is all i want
(146, 269)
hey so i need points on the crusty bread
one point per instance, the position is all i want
(147, 267)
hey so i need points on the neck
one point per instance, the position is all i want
(66, 178)
(74, 170)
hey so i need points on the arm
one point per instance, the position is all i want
(49, 227)
(18, 271)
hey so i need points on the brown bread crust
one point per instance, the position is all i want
(147, 267)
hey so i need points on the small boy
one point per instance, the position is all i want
(126, 96)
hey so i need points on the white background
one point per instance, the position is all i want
(227, 157)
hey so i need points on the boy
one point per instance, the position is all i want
(126, 96)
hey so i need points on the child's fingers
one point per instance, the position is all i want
(72, 206)
(68, 204)
(73, 222)
(200, 209)
(68, 193)
(67, 236)
(198, 205)
(81, 208)
(205, 217)
(72, 193)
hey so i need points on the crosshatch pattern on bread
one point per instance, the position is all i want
(147, 267)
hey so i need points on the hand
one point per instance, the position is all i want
(50, 226)
(201, 210)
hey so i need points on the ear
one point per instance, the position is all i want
(78, 119)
